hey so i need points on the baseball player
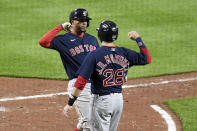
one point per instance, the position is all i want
(73, 47)
(107, 67)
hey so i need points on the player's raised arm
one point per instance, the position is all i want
(47, 38)
(135, 36)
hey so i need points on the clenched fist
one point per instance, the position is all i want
(66, 26)
(133, 35)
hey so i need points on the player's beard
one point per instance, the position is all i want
(80, 30)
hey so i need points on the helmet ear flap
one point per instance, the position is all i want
(115, 34)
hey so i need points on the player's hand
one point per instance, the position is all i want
(66, 26)
(66, 110)
(133, 35)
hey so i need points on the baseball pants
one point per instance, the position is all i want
(82, 105)
(105, 112)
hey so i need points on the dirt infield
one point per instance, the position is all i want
(39, 111)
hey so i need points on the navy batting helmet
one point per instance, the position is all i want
(108, 31)
(80, 14)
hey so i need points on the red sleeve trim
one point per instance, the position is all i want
(47, 38)
(80, 82)
(146, 51)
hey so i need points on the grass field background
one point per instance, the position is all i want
(186, 110)
(168, 29)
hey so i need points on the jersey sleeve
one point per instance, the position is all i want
(87, 67)
(136, 58)
(143, 49)
(141, 58)
(57, 43)
(45, 41)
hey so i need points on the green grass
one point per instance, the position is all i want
(186, 111)
(168, 29)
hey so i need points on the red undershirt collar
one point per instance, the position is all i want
(82, 35)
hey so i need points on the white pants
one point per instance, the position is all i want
(105, 112)
(82, 105)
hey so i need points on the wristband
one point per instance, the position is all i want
(140, 43)
(71, 100)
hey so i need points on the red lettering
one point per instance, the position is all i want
(77, 50)
(106, 82)
(86, 46)
(114, 79)
(112, 58)
(102, 66)
(91, 48)
(119, 77)
(81, 48)
(72, 51)
(116, 58)
(107, 59)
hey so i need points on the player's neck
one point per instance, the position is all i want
(104, 43)
(77, 33)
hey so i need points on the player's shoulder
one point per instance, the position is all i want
(125, 50)
(121, 48)
(58, 36)
(96, 52)
(100, 49)
(62, 36)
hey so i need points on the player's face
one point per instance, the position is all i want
(79, 26)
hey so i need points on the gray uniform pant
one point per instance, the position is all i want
(105, 112)
(82, 105)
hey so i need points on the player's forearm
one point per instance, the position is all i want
(78, 87)
(73, 97)
(76, 92)
(143, 49)
(47, 38)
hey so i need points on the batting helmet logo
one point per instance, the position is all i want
(85, 13)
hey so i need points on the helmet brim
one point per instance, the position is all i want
(82, 18)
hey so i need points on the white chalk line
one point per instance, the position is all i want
(160, 83)
(166, 117)
(32, 97)
(66, 93)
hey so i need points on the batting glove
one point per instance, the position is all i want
(66, 26)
